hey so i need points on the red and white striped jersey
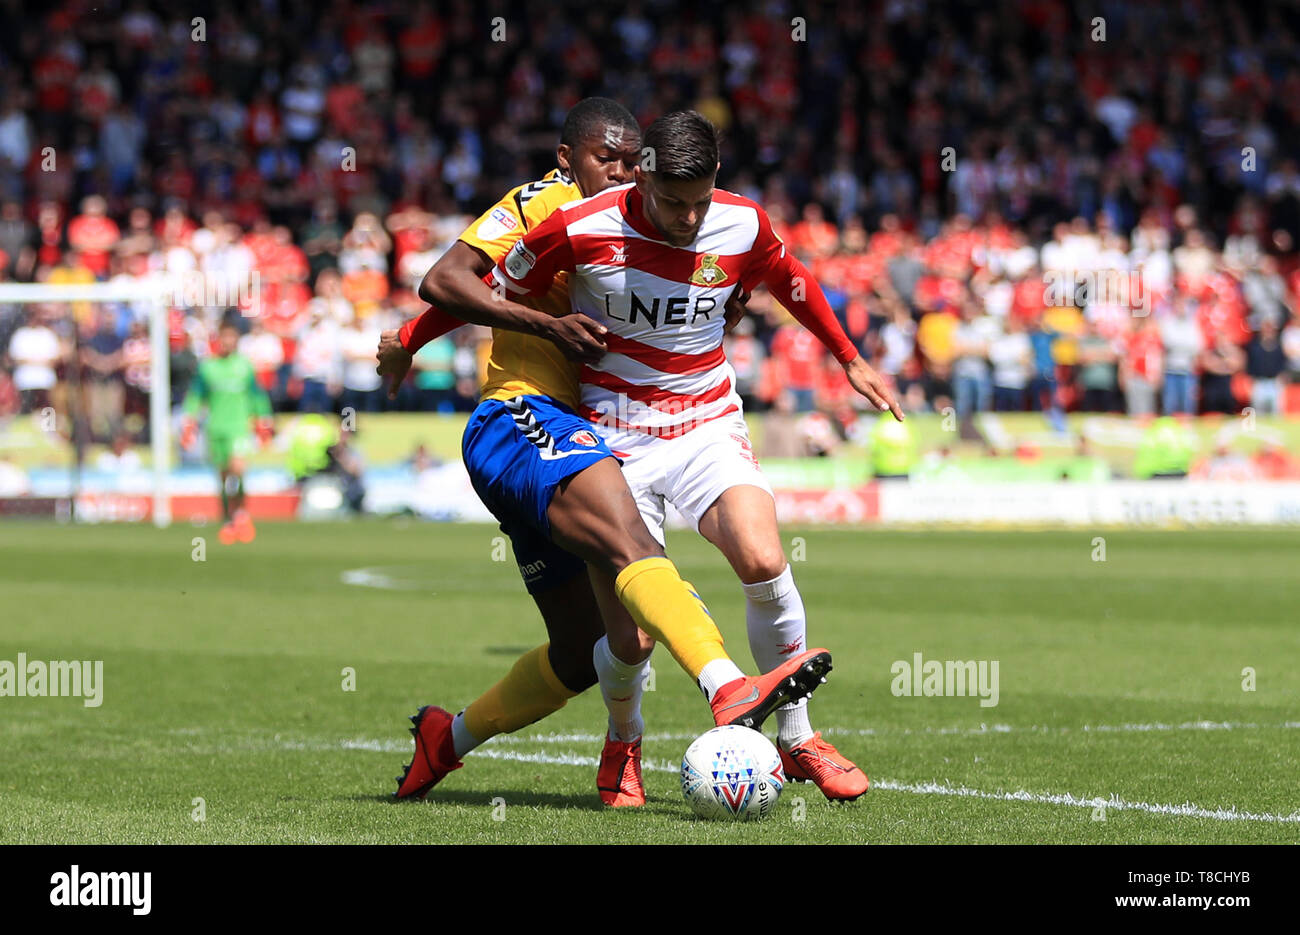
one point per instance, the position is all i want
(665, 372)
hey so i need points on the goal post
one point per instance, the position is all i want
(155, 294)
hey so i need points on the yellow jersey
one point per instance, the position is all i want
(522, 364)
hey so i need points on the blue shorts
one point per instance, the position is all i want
(517, 451)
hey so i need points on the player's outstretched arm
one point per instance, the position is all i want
(799, 292)
(458, 289)
(793, 285)
(260, 406)
(195, 398)
(397, 346)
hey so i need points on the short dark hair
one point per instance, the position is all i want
(588, 119)
(683, 146)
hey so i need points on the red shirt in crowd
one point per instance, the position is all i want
(1142, 353)
(798, 355)
(1027, 300)
(95, 236)
(419, 45)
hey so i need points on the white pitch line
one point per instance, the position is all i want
(566, 759)
(403, 746)
(1187, 810)
(982, 730)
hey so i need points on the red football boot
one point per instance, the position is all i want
(435, 754)
(619, 777)
(817, 761)
(750, 700)
(244, 529)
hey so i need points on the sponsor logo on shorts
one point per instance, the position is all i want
(746, 450)
(532, 568)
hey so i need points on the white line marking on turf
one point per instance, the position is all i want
(378, 576)
(1187, 810)
(982, 730)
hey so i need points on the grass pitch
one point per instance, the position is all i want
(224, 716)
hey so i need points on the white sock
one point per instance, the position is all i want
(778, 630)
(716, 674)
(621, 684)
(461, 738)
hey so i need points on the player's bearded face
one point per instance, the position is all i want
(675, 207)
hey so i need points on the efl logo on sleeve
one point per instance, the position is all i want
(497, 224)
(520, 261)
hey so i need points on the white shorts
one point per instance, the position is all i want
(691, 471)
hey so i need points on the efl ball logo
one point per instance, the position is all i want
(584, 438)
(732, 774)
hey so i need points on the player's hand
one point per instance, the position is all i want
(872, 385)
(394, 360)
(189, 434)
(265, 430)
(735, 308)
(580, 338)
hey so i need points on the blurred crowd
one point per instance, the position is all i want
(1025, 204)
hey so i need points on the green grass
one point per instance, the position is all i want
(223, 681)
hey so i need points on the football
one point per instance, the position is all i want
(732, 773)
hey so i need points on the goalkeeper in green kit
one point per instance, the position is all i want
(238, 409)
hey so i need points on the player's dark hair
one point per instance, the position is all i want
(588, 119)
(683, 145)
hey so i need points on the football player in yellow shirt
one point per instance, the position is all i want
(560, 495)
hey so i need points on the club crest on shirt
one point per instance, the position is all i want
(584, 438)
(708, 273)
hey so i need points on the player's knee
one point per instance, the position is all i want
(763, 564)
(629, 548)
(573, 666)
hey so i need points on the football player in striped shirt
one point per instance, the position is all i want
(559, 493)
(653, 262)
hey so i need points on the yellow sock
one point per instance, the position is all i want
(669, 610)
(529, 692)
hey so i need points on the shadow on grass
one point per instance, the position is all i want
(484, 799)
